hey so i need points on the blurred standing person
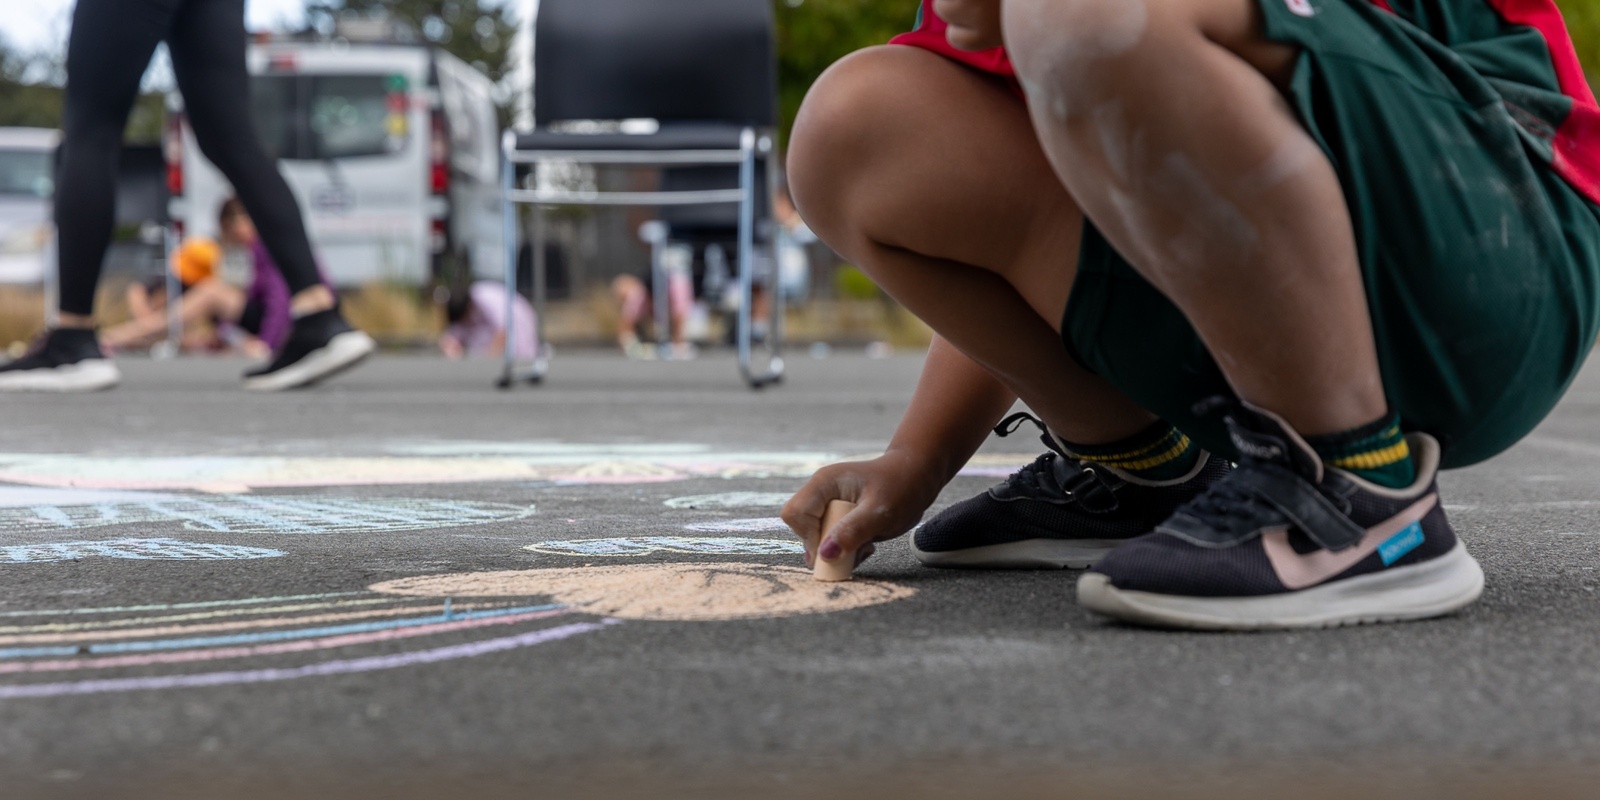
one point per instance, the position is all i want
(111, 44)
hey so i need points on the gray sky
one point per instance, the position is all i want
(43, 24)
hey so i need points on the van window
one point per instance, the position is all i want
(26, 172)
(351, 116)
(315, 117)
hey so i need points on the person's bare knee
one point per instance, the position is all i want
(1072, 54)
(835, 134)
(897, 147)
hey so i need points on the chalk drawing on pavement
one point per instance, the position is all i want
(759, 525)
(645, 545)
(677, 592)
(300, 627)
(136, 549)
(573, 464)
(254, 513)
(731, 500)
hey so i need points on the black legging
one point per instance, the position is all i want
(112, 42)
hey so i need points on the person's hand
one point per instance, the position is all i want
(890, 493)
(974, 24)
(255, 348)
(451, 348)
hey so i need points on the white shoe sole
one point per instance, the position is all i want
(1026, 554)
(341, 353)
(89, 375)
(1419, 591)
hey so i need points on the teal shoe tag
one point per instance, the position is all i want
(1401, 543)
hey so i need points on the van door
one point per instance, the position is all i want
(361, 171)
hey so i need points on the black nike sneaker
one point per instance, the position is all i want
(61, 360)
(1285, 541)
(319, 345)
(1056, 513)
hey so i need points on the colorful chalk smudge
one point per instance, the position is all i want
(408, 610)
(730, 500)
(758, 525)
(250, 514)
(130, 549)
(50, 653)
(664, 592)
(295, 627)
(569, 464)
(646, 545)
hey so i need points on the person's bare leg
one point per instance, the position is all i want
(1163, 119)
(960, 219)
(629, 294)
(206, 300)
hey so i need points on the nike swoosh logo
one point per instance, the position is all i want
(1297, 570)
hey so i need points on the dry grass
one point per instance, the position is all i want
(401, 316)
(22, 310)
(393, 314)
(21, 314)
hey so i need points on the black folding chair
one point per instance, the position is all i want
(704, 71)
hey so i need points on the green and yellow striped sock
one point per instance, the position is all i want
(1157, 453)
(1376, 451)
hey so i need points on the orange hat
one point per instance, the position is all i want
(197, 260)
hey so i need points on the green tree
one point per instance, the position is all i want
(24, 103)
(815, 33)
(478, 32)
(1583, 20)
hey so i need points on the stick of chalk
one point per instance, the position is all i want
(840, 568)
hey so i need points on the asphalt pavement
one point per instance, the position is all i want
(408, 583)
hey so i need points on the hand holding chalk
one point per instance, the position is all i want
(837, 569)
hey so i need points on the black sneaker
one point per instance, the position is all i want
(319, 345)
(62, 360)
(1287, 542)
(1056, 513)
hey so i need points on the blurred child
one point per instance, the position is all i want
(257, 318)
(477, 324)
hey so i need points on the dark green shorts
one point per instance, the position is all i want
(1482, 266)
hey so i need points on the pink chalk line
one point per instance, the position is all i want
(342, 667)
(324, 643)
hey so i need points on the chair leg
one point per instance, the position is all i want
(775, 321)
(747, 212)
(508, 231)
(174, 284)
(541, 354)
(659, 290)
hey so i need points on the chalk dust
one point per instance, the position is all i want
(677, 592)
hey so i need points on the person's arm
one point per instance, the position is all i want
(955, 406)
(974, 24)
(450, 345)
(138, 298)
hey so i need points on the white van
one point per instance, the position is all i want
(392, 151)
(27, 184)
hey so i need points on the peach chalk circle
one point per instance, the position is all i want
(676, 592)
(840, 568)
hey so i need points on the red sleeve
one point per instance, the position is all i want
(929, 35)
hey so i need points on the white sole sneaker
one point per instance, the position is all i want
(341, 353)
(1026, 554)
(1419, 591)
(89, 375)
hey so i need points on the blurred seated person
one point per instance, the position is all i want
(253, 320)
(635, 298)
(477, 323)
(196, 266)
